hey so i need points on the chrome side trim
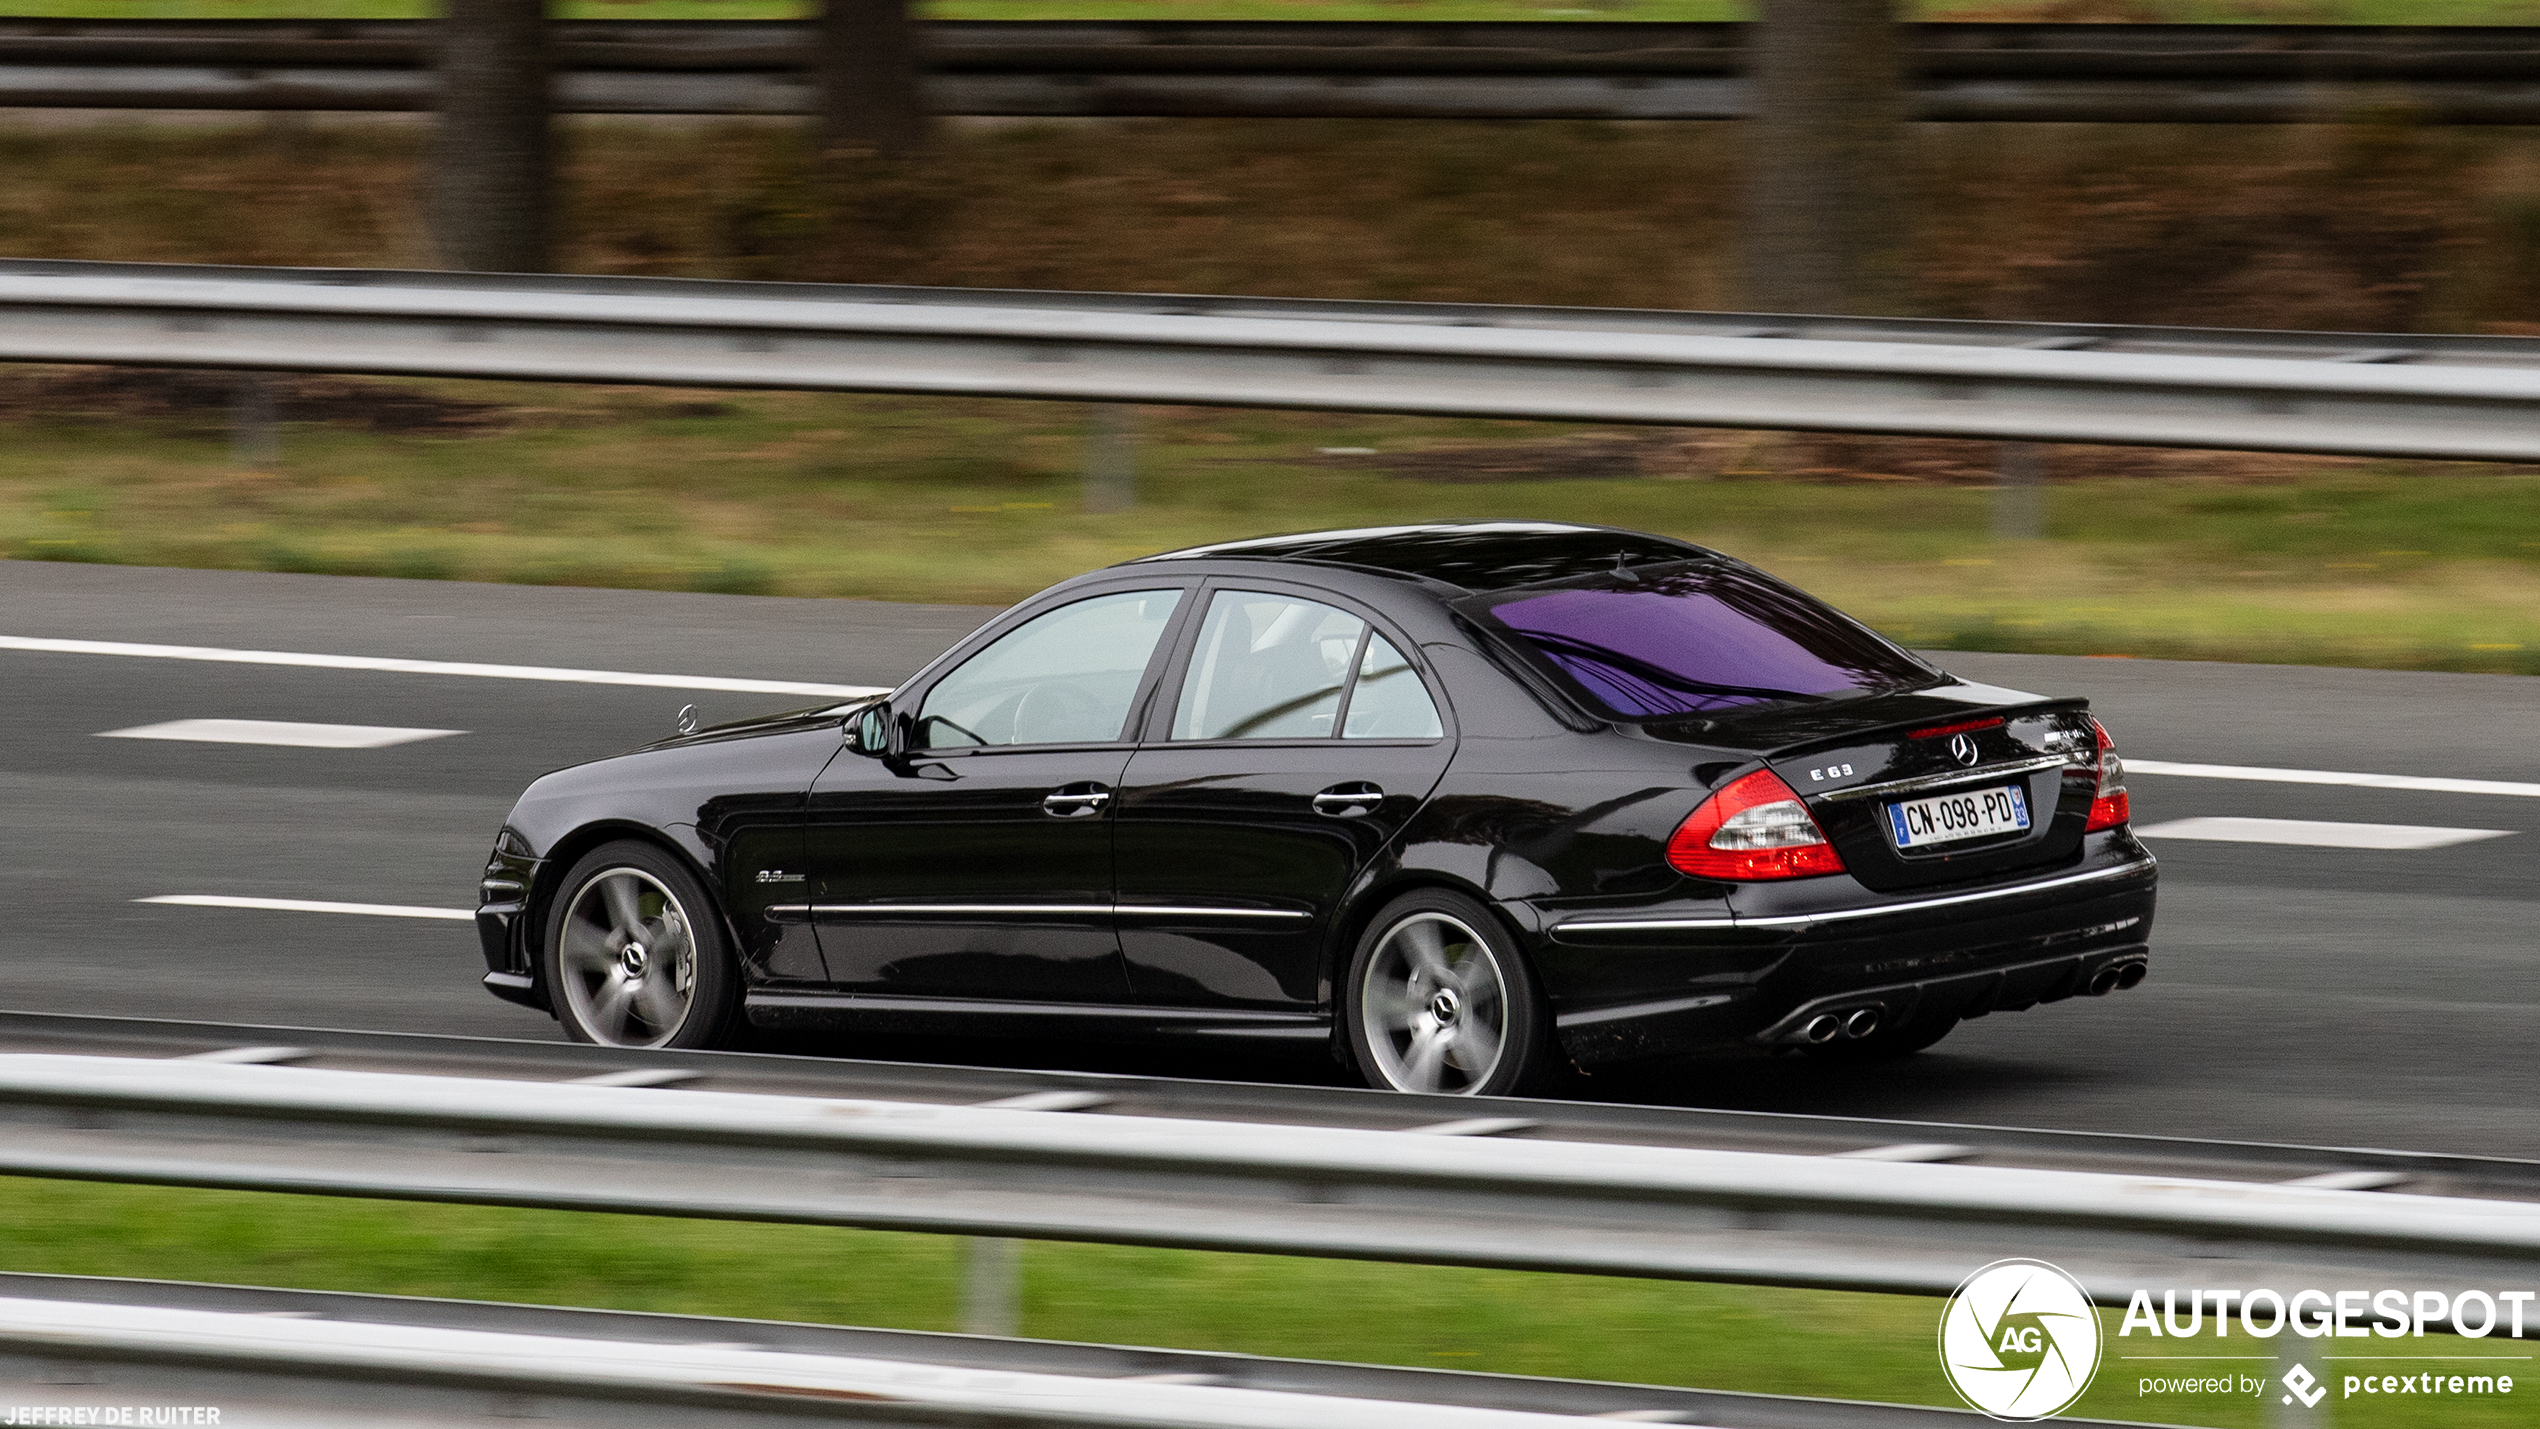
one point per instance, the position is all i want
(1837, 915)
(1072, 910)
(1177, 911)
(1954, 776)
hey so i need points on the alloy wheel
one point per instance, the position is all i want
(627, 959)
(1434, 1006)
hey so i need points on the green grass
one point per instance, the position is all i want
(2347, 12)
(2148, 554)
(1658, 1332)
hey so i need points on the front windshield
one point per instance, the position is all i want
(1700, 638)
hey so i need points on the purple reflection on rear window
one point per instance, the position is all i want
(1703, 639)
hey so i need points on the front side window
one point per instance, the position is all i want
(1701, 638)
(1267, 667)
(1066, 677)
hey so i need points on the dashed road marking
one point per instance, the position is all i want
(2316, 833)
(310, 905)
(280, 731)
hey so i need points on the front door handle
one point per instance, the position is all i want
(1349, 801)
(1077, 800)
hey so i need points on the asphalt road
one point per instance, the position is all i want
(2358, 997)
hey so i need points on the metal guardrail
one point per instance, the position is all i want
(2093, 73)
(2366, 394)
(1781, 1133)
(297, 1353)
(1030, 1169)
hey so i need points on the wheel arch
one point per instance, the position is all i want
(680, 841)
(1361, 910)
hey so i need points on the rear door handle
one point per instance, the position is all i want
(1076, 801)
(1349, 801)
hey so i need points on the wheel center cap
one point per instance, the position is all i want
(632, 958)
(1444, 1005)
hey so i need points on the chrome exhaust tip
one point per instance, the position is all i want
(1824, 1027)
(2132, 974)
(1861, 1022)
(2104, 982)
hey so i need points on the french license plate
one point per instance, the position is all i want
(1947, 818)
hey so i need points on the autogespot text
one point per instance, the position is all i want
(2338, 1315)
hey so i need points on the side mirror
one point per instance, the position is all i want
(870, 733)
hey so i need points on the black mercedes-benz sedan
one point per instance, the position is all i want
(1463, 801)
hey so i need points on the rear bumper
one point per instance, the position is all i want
(1672, 980)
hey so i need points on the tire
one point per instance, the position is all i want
(1889, 1044)
(1439, 1000)
(678, 987)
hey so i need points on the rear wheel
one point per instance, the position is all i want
(1438, 999)
(635, 956)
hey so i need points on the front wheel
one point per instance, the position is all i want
(635, 956)
(1438, 999)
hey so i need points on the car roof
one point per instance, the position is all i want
(1474, 555)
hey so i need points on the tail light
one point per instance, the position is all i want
(1753, 828)
(2109, 806)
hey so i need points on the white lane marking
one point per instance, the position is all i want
(432, 667)
(2317, 833)
(310, 905)
(280, 731)
(2267, 775)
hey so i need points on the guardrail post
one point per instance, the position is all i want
(1111, 457)
(2019, 493)
(255, 437)
(991, 1285)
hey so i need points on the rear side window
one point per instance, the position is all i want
(1389, 702)
(1267, 667)
(1700, 638)
(1276, 667)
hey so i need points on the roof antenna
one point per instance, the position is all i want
(1622, 571)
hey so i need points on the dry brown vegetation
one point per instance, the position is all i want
(2374, 224)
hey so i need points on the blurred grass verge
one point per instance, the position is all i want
(2196, 555)
(1816, 1343)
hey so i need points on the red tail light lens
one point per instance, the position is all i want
(1754, 828)
(2109, 807)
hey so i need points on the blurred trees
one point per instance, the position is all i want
(489, 195)
(1826, 222)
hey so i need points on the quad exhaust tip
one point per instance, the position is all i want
(2117, 976)
(1827, 1026)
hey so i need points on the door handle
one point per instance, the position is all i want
(1076, 801)
(1349, 801)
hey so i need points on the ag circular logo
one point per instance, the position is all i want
(2019, 1340)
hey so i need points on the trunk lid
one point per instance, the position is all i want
(1931, 789)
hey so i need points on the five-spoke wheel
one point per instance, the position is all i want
(1440, 1001)
(635, 958)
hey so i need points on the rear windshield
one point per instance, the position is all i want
(1700, 638)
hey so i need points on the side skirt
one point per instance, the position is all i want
(803, 1011)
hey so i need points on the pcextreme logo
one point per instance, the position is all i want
(2019, 1341)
